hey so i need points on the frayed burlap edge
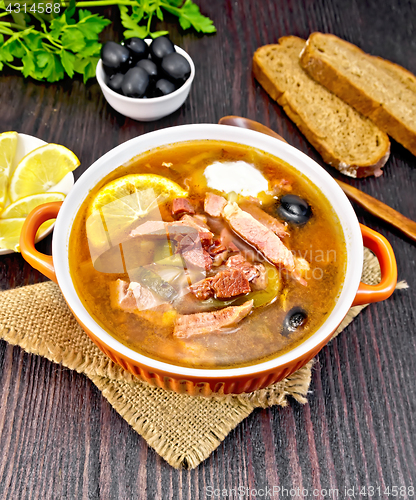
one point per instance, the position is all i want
(183, 440)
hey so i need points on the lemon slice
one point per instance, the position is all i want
(22, 207)
(8, 145)
(123, 201)
(10, 230)
(40, 170)
(10, 233)
(138, 185)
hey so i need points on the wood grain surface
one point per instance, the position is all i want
(59, 438)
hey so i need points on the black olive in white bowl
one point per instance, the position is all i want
(150, 67)
(163, 87)
(135, 82)
(145, 98)
(138, 49)
(115, 81)
(161, 47)
(176, 68)
(115, 58)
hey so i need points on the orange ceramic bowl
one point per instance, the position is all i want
(208, 381)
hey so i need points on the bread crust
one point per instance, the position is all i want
(328, 76)
(358, 170)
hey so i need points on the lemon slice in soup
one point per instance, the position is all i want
(122, 202)
(138, 185)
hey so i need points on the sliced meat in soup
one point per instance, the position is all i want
(193, 325)
(264, 218)
(214, 204)
(258, 235)
(182, 206)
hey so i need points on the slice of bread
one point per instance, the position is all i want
(345, 139)
(379, 89)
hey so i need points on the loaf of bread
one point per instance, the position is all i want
(379, 89)
(345, 139)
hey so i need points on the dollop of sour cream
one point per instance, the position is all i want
(237, 176)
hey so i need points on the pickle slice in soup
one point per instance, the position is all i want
(154, 282)
(273, 289)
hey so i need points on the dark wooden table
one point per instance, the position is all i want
(60, 439)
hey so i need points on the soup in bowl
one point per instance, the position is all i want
(208, 259)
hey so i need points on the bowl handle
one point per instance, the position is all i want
(38, 216)
(385, 255)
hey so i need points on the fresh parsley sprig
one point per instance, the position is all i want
(139, 21)
(46, 47)
(49, 49)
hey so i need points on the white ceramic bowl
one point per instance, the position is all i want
(146, 110)
(206, 381)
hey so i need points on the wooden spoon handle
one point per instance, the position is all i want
(372, 205)
(380, 210)
(239, 121)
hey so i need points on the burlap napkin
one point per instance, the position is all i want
(183, 429)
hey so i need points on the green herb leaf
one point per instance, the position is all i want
(137, 13)
(70, 11)
(90, 49)
(79, 64)
(73, 39)
(133, 28)
(190, 15)
(90, 25)
(33, 40)
(19, 18)
(67, 60)
(175, 3)
(57, 26)
(16, 48)
(5, 29)
(54, 70)
(184, 22)
(43, 59)
(89, 71)
(156, 34)
(5, 55)
(159, 14)
(86, 67)
(83, 14)
(28, 64)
